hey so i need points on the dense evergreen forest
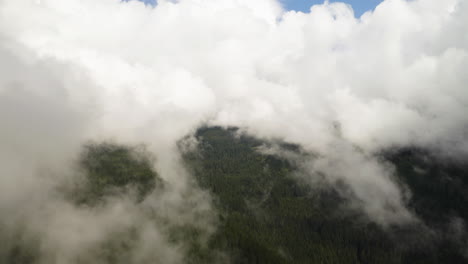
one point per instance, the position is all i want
(266, 214)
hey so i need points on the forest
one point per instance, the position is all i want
(266, 213)
(268, 216)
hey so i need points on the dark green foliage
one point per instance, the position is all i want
(194, 243)
(267, 216)
(111, 169)
(17, 248)
(439, 187)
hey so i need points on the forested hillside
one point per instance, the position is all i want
(267, 213)
(268, 216)
(110, 171)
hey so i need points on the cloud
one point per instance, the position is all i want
(77, 70)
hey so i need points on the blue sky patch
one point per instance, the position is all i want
(359, 6)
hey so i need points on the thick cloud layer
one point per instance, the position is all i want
(340, 86)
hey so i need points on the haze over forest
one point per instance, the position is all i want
(233, 131)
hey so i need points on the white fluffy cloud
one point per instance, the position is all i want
(73, 70)
(393, 76)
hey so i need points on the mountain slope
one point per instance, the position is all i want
(268, 216)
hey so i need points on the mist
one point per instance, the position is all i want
(341, 87)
